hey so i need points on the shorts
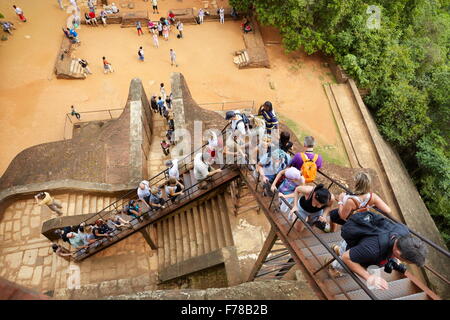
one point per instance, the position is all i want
(155, 7)
(312, 217)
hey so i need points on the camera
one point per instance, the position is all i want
(393, 265)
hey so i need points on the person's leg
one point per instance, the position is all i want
(78, 115)
(54, 208)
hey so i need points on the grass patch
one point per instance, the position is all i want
(330, 153)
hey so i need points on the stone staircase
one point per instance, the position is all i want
(76, 70)
(241, 58)
(193, 231)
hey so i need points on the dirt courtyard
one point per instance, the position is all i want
(34, 102)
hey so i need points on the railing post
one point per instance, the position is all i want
(110, 114)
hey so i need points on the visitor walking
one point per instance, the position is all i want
(155, 40)
(107, 66)
(222, 15)
(161, 106)
(60, 4)
(73, 113)
(74, 34)
(201, 14)
(155, 6)
(103, 16)
(141, 54)
(165, 32)
(162, 91)
(139, 28)
(93, 18)
(154, 104)
(173, 57)
(19, 13)
(44, 198)
(84, 65)
(159, 27)
(180, 29)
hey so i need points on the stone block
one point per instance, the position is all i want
(37, 276)
(43, 252)
(107, 288)
(14, 260)
(16, 227)
(7, 236)
(8, 226)
(124, 286)
(25, 231)
(16, 236)
(47, 272)
(35, 222)
(48, 260)
(25, 273)
(30, 256)
(87, 292)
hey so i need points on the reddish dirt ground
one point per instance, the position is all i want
(34, 102)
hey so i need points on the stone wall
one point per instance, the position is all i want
(113, 159)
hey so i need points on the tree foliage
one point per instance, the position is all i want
(404, 63)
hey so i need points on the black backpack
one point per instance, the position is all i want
(245, 120)
(368, 223)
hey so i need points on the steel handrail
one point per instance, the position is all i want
(186, 194)
(333, 254)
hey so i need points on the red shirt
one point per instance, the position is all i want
(171, 15)
(92, 15)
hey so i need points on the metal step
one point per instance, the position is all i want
(327, 237)
(397, 289)
(416, 296)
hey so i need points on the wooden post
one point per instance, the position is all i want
(268, 244)
(147, 238)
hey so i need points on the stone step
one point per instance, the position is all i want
(86, 204)
(178, 238)
(172, 240)
(93, 204)
(211, 226)
(192, 235)
(160, 243)
(185, 234)
(218, 223)
(205, 227)
(246, 58)
(198, 231)
(79, 204)
(166, 242)
(225, 220)
(72, 66)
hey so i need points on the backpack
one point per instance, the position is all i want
(245, 120)
(368, 223)
(309, 167)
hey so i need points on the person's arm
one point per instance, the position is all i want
(214, 172)
(260, 170)
(380, 204)
(304, 190)
(278, 177)
(36, 198)
(362, 272)
(327, 209)
(346, 208)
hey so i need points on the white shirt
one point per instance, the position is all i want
(180, 26)
(18, 10)
(173, 171)
(221, 11)
(162, 93)
(201, 13)
(141, 52)
(145, 192)
(200, 168)
(154, 2)
(238, 124)
(173, 55)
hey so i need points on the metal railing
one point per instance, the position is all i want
(230, 105)
(361, 284)
(87, 116)
(184, 165)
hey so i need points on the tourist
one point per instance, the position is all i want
(139, 28)
(60, 4)
(141, 54)
(169, 101)
(173, 188)
(159, 27)
(87, 18)
(101, 230)
(76, 241)
(362, 199)
(86, 234)
(7, 26)
(93, 18)
(103, 17)
(313, 205)
(155, 6)
(143, 191)
(221, 12)
(19, 13)
(234, 147)
(234, 14)
(161, 107)
(61, 251)
(270, 164)
(153, 104)
(201, 15)
(162, 91)
(62, 233)
(165, 32)
(155, 40)
(133, 209)
(44, 198)
(73, 113)
(107, 66)
(170, 121)
(156, 200)
(285, 143)
(237, 122)
(173, 171)
(120, 223)
(165, 147)
(266, 110)
(84, 65)
(151, 26)
(203, 170)
(74, 34)
(114, 9)
(173, 57)
(213, 145)
(372, 240)
(287, 181)
(307, 162)
(180, 29)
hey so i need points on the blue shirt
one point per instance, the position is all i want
(269, 166)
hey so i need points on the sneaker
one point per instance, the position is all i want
(327, 228)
